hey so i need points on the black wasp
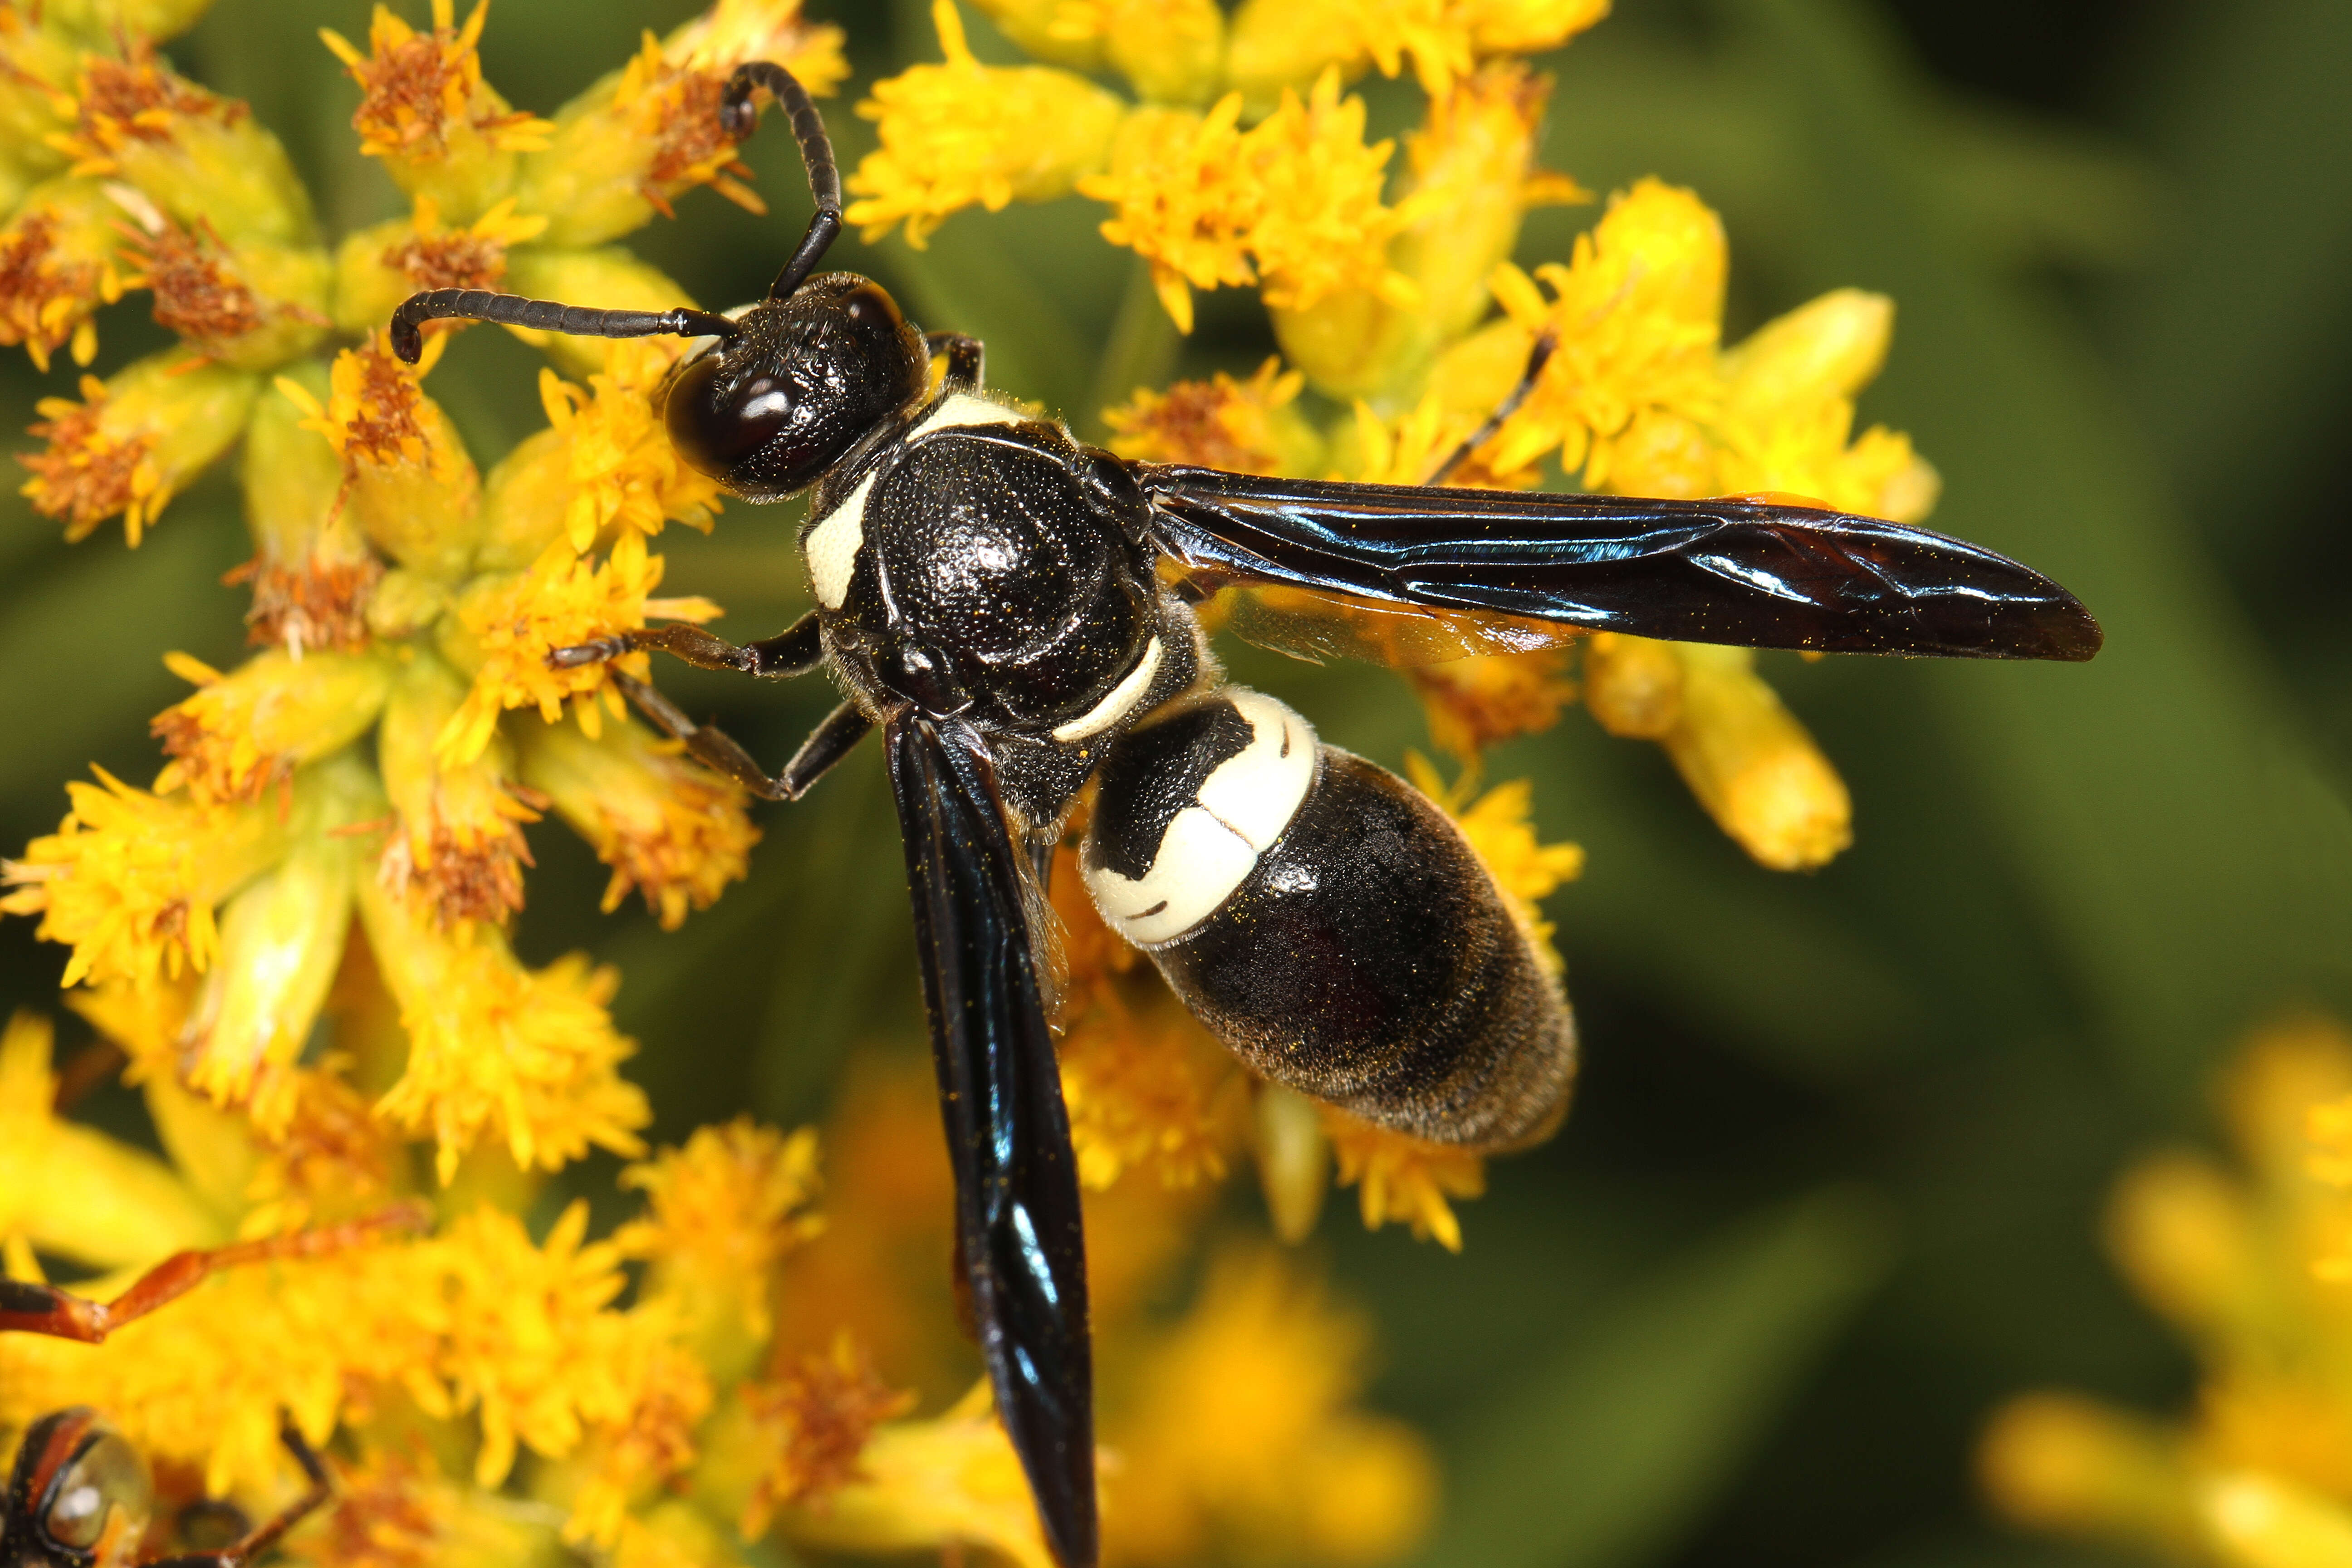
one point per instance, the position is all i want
(79, 1495)
(989, 590)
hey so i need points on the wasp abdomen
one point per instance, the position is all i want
(1328, 923)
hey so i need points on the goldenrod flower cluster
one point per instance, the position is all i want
(295, 936)
(2251, 1261)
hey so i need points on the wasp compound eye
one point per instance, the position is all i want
(716, 425)
(107, 1474)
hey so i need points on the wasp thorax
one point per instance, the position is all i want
(767, 411)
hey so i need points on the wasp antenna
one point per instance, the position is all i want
(543, 315)
(738, 112)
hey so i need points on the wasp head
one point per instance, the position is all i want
(769, 409)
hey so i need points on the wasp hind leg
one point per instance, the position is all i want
(259, 1540)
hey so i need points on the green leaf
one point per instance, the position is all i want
(1606, 1454)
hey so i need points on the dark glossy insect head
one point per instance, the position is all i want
(78, 1488)
(769, 410)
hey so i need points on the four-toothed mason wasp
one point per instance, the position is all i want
(992, 594)
(79, 1496)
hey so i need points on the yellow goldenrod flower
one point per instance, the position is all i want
(1632, 686)
(1636, 315)
(1283, 42)
(621, 469)
(1171, 51)
(441, 130)
(459, 848)
(644, 135)
(1151, 1091)
(394, 1510)
(1293, 204)
(1471, 178)
(667, 827)
(129, 879)
(511, 621)
(1243, 1427)
(71, 1191)
(2242, 1259)
(245, 733)
(1753, 766)
(1403, 1178)
(407, 475)
(722, 1213)
(199, 158)
(328, 1160)
(1473, 703)
(529, 1055)
(312, 572)
(926, 1485)
(961, 133)
(811, 1424)
(133, 441)
(378, 267)
(1250, 427)
(253, 308)
(59, 261)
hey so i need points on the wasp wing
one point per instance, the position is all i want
(1018, 1237)
(1753, 571)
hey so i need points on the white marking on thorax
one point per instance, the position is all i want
(1118, 704)
(831, 545)
(1209, 848)
(966, 408)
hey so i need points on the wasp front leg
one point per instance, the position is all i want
(36, 1309)
(715, 749)
(797, 650)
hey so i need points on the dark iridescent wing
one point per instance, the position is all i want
(1018, 1237)
(1760, 573)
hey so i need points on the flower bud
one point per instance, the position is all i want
(200, 158)
(2255, 1519)
(1632, 686)
(2058, 1461)
(255, 307)
(245, 733)
(73, 1192)
(1294, 1160)
(312, 571)
(409, 481)
(104, 21)
(135, 441)
(442, 132)
(1042, 29)
(667, 827)
(378, 267)
(281, 943)
(60, 258)
(1753, 766)
(1472, 179)
(1171, 52)
(460, 842)
(1831, 347)
(2183, 1234)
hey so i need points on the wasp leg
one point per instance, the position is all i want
(715, 749)
(1503, 410)
(796, 652)
(261, 1540)
(964, 357)
(32, 1309)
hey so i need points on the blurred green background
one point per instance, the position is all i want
(1833, 1183)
